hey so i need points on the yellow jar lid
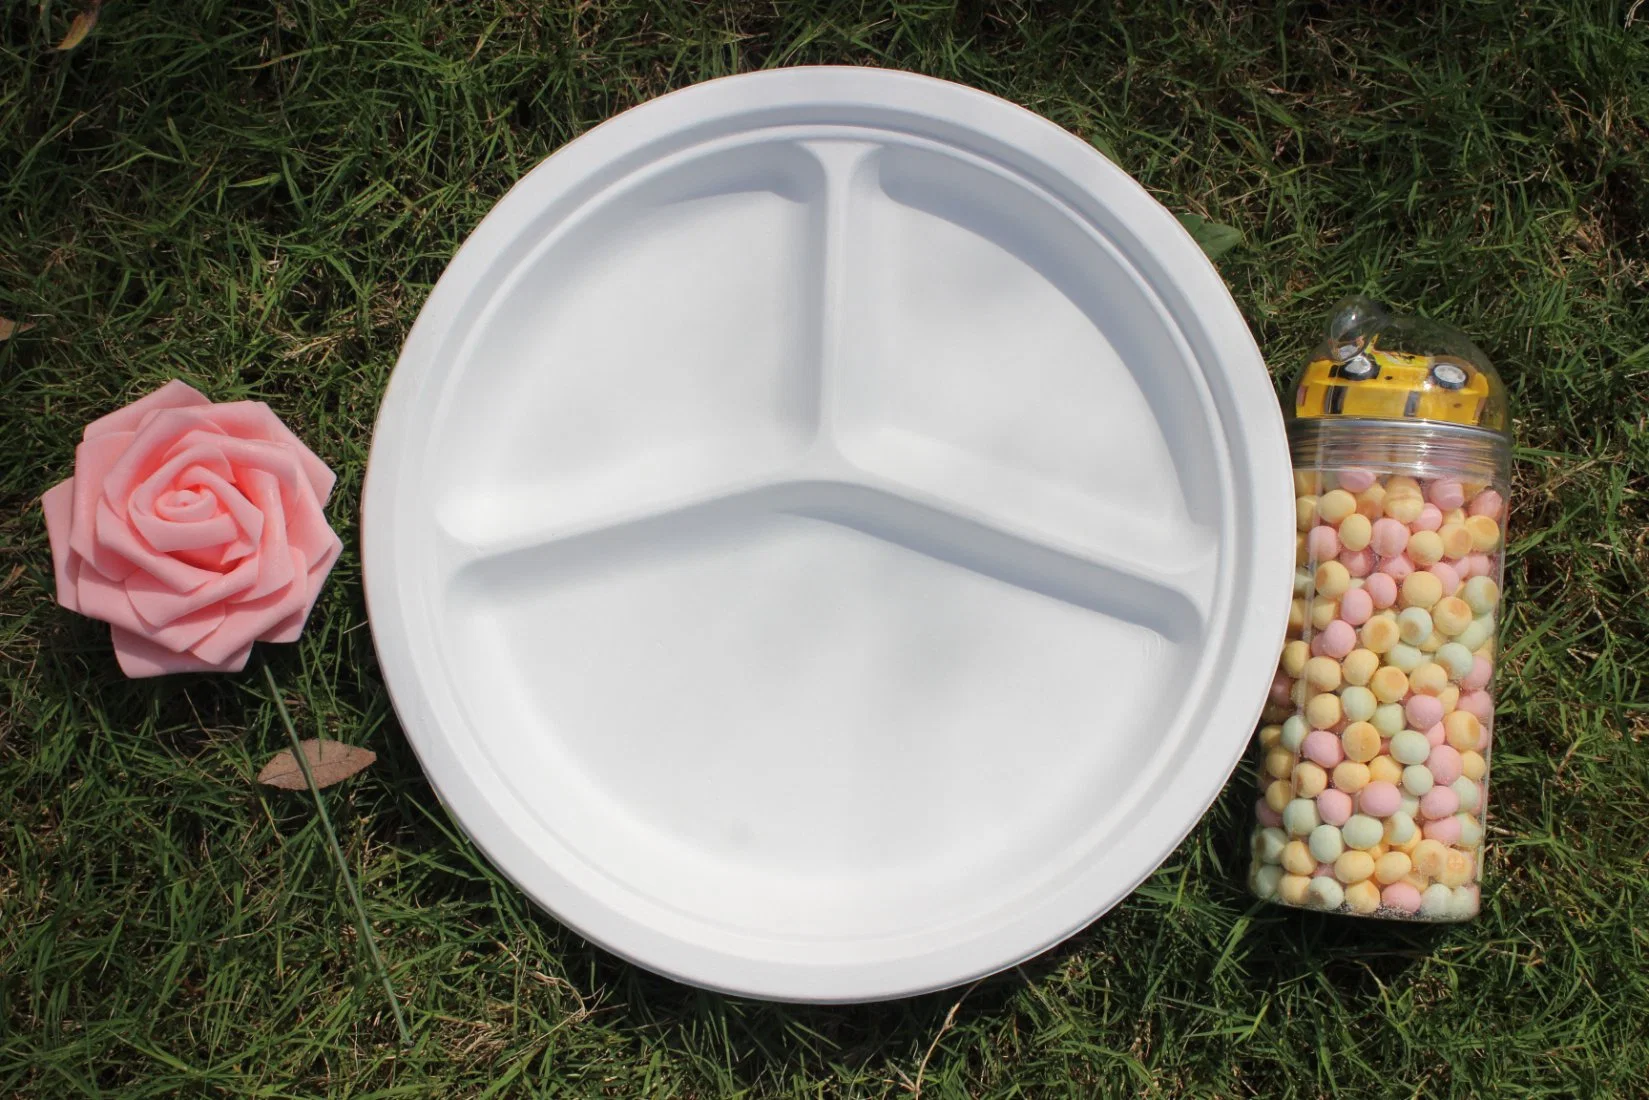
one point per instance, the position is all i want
(1377, 366)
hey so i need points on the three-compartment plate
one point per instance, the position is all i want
(828, 534)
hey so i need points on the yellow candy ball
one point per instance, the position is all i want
(1391, 867)
(1323, 673)
(1472, 765)
(1451, 615)
(1305, 513)
(1270, 737)
(1323, 711)
(1332, 579)
(1292, 889)
(1456, 540)
(1403, 485)
(1457, 870)
(1450, 698)
(1433, 643)
(1430, 857)
(1279, 763)
(1302, 553)
(1310, 780)
(1384, 769)
(1353, 866)
(1389, 685)
(1278, 794)
(1481, 595)
(1429, 679)
(1358, 666)
(1350, 776)
(1307, 483)
(1462, 730)
(1363, 897)
(1454, 515)
(1324, 611)
(1297, 858)
(1361, 742)
(1371, 502)
(1403, 509)
(1420, 589)
(1425, 548)
(1355, 531)
(1378, 635)
(1485, 533)
(1296, 617)
(1295, 655)
(1335, 505)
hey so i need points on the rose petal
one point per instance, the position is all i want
(113, 534)
(288, 629)
(247, 516)
(264, 491)
(186, 631)
(92, 461)
(139, 657)
(152, 466)
(248, 619)
(174, 394)
(169, 535)
(187, 505)
(256, 420)
(101, 598)
(169, 433)
(158, 604)
(58, 504)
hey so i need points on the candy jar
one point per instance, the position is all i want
(1373, 759)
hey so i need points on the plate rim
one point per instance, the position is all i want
(1253, 419)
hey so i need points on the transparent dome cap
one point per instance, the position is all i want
(1377, 365)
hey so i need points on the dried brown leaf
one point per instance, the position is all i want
(10, 328)
(80, 28)
(331, 761)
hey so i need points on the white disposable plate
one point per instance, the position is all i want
(828, 534)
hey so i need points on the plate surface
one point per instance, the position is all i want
(828, 534)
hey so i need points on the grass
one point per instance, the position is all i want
(257, 197)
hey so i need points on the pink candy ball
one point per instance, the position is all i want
(1445, 830)
(1423, 711)
(1354, 479)
(1448, 576)
(1382, 589)
(1475, 565)
(1444, 764)
(1487, 503)
(1334, 807)
(1397, 567)
(1478, 677)
(1437, 734)
(1336, 639)
(1446, 493)
(1430, 519)
(1265, 815)
(1401, 896)
(1478, 703)
(1322, 747)
(1359, 563)
(1356, 605)
(1439, 802)
(1379, 799)
(1389, 537)
(1322, 543)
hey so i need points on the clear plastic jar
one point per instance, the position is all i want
(1373, 760)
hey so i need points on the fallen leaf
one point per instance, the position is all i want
(80, 28)
(10, 328)
(331, 761)
(1215, 239)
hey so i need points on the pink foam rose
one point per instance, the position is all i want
(194, 529)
